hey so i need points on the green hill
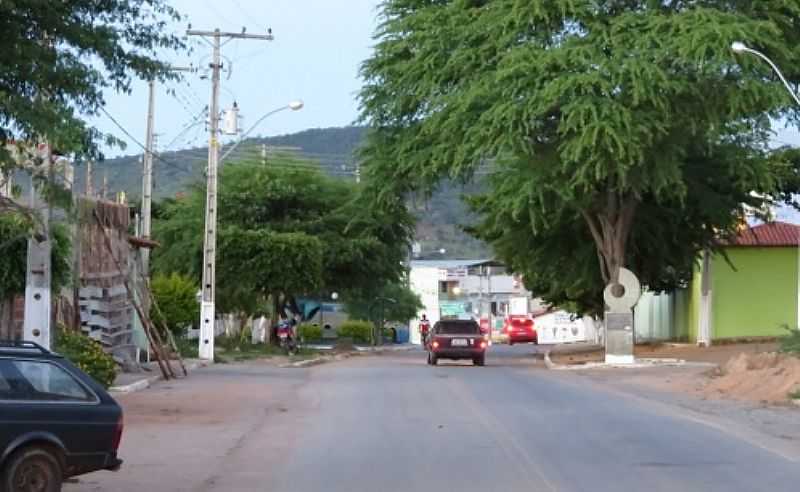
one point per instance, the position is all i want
(439, 219)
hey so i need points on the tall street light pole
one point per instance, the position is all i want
(739, 47)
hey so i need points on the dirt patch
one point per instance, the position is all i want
(716, 354)
(765, 377)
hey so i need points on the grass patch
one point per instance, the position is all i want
(795, 395)
(234, 350)
(187, 348)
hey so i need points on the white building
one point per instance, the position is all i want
(476, 289)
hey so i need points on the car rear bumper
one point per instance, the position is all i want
(113, 464)
(523, 338)
(458, 353)
(80, 464)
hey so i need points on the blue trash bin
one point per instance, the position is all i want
(402, 334)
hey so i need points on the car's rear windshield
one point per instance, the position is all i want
(457, 327)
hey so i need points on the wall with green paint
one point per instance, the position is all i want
(692, 315)
(757, 298)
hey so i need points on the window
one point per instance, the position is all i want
(36, 380)
(457, 327)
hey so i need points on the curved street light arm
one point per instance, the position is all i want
(742, 48)
(245, 134)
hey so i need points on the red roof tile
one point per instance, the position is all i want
(770, 234)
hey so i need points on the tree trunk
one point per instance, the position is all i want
(7, 318)
(610, 225)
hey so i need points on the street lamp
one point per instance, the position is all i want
(739, 47)
(293, 106)
(334, 296)
(207, 304)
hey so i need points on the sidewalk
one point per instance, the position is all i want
(128, 382)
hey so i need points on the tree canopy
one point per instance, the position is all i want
(14, 232)
(361, 304)
(285, 229)
(58, 60)
(613, 133)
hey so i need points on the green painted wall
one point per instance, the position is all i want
(680, 315)
(757, 298)
(693, 305)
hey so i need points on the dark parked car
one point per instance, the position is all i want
(457, 339)
(55, 421)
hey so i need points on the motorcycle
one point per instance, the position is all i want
(286, 339)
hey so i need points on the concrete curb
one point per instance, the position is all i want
(572, 349)
(639, 364)
(148, 381)
(307, 362)
(387, 348)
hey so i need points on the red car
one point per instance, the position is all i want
(457, 339)
(520, 329)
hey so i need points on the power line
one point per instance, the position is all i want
(197, 119)
(137, 142)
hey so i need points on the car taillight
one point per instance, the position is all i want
(435, 344)
(117, 434)
(483, 344)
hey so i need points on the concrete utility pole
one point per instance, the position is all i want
(207, 309)
(36, 326)
(89, 181)
(147, 174)
(147, 167)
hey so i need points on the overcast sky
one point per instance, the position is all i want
(315, 56)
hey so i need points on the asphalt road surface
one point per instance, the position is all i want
(392, 423)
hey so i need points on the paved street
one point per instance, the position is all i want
(392, 423)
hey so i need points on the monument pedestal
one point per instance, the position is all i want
(619, 318)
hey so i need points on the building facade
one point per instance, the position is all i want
(467, 289)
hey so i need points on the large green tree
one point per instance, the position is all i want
(615, 133)
(58, 60)
(285, 229)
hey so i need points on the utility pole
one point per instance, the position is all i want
(147, 168)
(207, 309)
(38, 308)
(147, 174)
(38, 276)
(104, 189)
(89, 180)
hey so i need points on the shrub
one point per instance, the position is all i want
(359, 331)
(309, 332)
(790, 343)
(175, 295)
(88, 355)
